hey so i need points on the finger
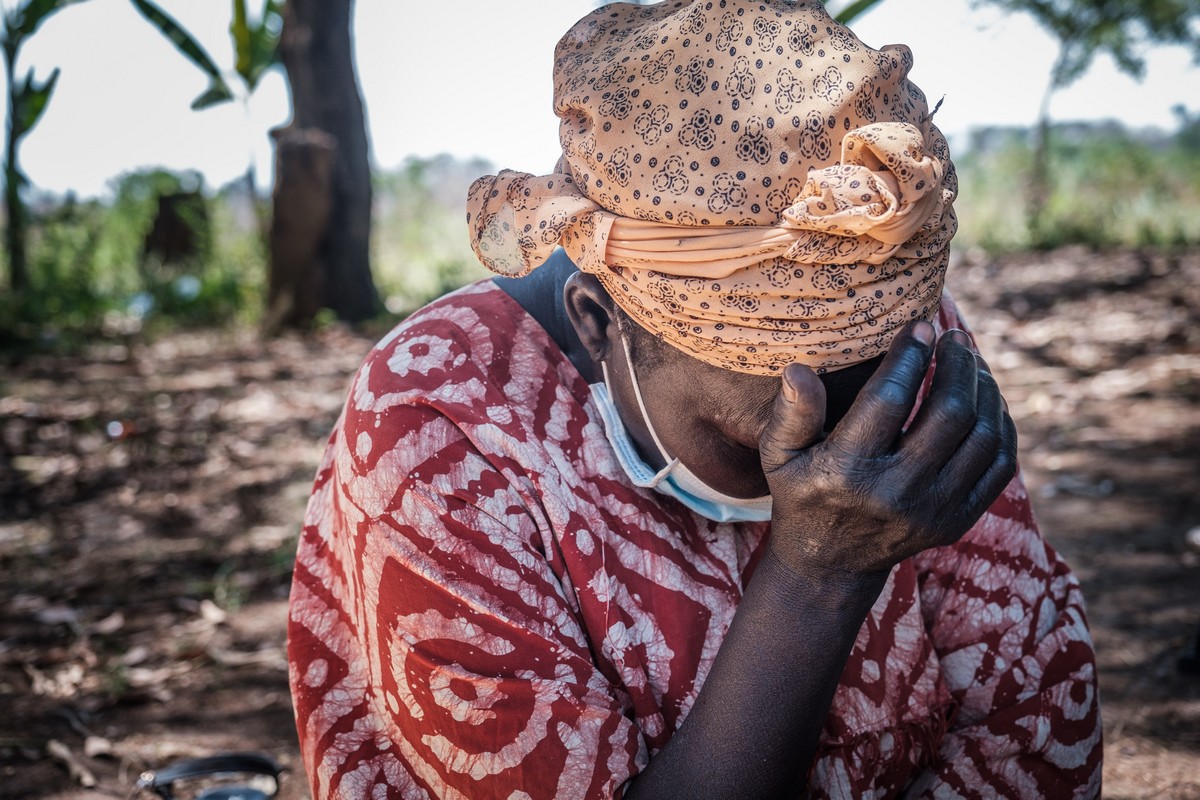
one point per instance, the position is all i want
(873, 423)
(949, 412)
(980, 446)
(983, 365)
(797, 419)
(996, 477)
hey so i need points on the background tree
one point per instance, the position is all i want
(27, 102)
(1123, 29)
(326, 140)
(320, 230)
(256, 50)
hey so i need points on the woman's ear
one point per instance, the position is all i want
(593, 315)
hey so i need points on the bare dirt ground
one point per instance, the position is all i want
(150, 496)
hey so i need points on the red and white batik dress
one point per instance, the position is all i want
(485, 607)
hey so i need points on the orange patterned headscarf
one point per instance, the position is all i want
(748, 180)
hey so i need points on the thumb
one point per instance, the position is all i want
(797, 420)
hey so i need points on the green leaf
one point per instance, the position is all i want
(218, 91)
(35, 12)
(31, 100)
(23, 21)
(257, 43)
(855, 9)
(239, 29)
(212, 96)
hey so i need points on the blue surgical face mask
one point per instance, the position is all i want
(675, 479)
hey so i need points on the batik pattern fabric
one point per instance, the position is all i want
(484, 606)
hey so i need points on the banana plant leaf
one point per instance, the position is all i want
(256, 44)
(23, 21)
(29, 102)
(218, 90)
(854, 9)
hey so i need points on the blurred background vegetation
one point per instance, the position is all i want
(1109, 186)
(162, 249)
(95, 268)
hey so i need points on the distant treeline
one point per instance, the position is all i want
(1109, 186)
(164, 249)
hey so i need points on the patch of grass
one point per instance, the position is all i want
(228, 586)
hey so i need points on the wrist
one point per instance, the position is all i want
(819, 586)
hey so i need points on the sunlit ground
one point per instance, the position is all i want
(152, 493)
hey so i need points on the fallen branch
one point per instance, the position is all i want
(75, 768)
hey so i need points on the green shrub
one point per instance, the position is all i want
(420, 248)
(91, 274)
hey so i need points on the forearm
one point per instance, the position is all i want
(847, 507)
(755, 725)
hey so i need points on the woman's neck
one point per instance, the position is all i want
(540, 293)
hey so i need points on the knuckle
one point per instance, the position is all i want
(891, 394)
(989, 391)
(1009, 434)
(989, 437)
(773, 455)
(979, 452)
(956, 410)
(913, 360)
(1005, 463)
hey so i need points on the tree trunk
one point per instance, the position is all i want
(14, 232)
(14, 207)
(1038, 189)
(317, 53)
(299, 227)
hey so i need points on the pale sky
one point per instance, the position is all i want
(473, 79)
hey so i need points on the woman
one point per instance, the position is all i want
(653, 514)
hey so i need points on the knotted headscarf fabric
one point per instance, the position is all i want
(770, 251)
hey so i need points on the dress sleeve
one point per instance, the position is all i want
(1007, 620)
(461, 667)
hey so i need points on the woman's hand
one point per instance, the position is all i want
(872, 494)
(846, 509)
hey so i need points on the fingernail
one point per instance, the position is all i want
(923, 333)
(789, 391)
(959, 336)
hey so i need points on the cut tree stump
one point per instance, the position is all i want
(304, 161)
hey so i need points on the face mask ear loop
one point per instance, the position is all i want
(637, 392)
(658, 477)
